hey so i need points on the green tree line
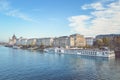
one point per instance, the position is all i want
(111, 43)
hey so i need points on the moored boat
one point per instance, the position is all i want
(16, 47)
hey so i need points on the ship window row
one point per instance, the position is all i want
(88, 53)
(92, 53)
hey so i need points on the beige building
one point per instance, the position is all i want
(71, 42)
(79, 40)
(44, 41)
(13, 40)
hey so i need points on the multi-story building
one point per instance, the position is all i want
(71, 42)
(18, 41)
(63, 41)
(75, 40)
(31, 42)
(79, 40)
(89, 41)
(24, 42)
(44, 41)
(13, 40)
(21, 41)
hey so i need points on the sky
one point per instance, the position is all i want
(54, 18)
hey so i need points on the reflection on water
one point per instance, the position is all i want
(17, 64)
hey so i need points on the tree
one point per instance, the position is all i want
(106, 41)
(99, 43)
(42, 46)
(116, 41)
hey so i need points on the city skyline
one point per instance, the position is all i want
(45, 18)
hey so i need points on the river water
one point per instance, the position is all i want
(17, 64)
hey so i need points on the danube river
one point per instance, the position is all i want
(17, 64)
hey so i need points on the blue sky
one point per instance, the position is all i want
(52, 18)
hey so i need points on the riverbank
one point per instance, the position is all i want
(77, 51)
(26, 47)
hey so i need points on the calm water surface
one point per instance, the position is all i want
(17, 64)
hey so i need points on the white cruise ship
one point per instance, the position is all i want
(100, 53)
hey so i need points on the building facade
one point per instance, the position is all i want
(79, 40)
(71, 42)
(64, 41)
(75, 40)
(13, 40)
(31, 42)
(89, 41)
(24, 42)
(18, 41)
(44, 41)
(21, 41)
(61, 41)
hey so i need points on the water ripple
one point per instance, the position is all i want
(26, 65)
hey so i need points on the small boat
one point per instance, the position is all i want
(16, 47)
(8, 45)
(46, 50)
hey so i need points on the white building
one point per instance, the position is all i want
(24, 42)
(44, 41)
(18, 42)
(31, 42)
(21, 41)
(89, 41)
(63, 41)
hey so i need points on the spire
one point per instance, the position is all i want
(14, 37)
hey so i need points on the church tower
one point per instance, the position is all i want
(14, 37)
(13, 40)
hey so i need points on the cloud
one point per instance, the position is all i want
(4, 5)
(96, 6)
(104, 20)
(7, 9)
(77, 21)
(18, 14)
